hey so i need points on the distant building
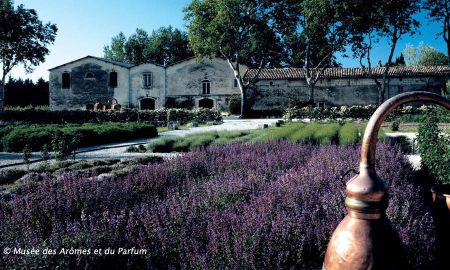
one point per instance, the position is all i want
(277, 88)
(80, 84)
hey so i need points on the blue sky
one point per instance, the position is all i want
(85, 26)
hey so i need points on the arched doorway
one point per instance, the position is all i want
(206, 103)
(147, 104)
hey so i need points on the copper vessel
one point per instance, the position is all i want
(364, 239)
(441, 196)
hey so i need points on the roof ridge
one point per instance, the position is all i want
(124, 65)
(352, 72)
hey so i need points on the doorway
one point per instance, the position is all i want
(206, 103)
(147, 104)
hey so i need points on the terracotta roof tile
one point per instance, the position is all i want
(351, 73)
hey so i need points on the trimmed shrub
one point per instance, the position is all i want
(348, 134)
(202, 115)
(434, 148)
(286, 131)
(405, 113)
(327, 134)
(158, 117)
(306, 134)
(85, 135)
(234, 105)
(163, 145)
(395, 125)
(11, 175)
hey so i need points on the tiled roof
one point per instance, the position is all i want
(120, 64)
(337, 73)
(117, 63)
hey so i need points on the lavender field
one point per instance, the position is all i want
(240, 206)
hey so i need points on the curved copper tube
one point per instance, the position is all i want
(364, 239)
(370, 135)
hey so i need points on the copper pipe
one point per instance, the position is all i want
(370, 135)
(364, 239)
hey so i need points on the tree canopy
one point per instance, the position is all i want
(164, 46)
(423, 55)
(439, 11)
(381, 20)
(240, 31)
(313, 32)
(23, 39)
(20, 92)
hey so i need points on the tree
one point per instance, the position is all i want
(116, 51)
(23, 40)
(240, 31)
(164, 46)
(424, 55)
(313, 32)
(439, 11)
(400, 61)
(20, 92)
(167, 46)
(385, 19)
(135, 47)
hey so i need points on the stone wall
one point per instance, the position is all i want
(156, 91)
(84, 91)
(180, 82)
(277, 94)
(184, 80)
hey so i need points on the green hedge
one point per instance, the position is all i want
(234, 105)
(434, 148)
(356, 112)
(88, 134)
(158, 117)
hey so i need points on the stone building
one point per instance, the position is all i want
(278, 88)
(79, 84)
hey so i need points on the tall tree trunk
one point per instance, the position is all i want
(446, 34)
(2, 93)
(311, 94)
(244, 112)
(388, 66)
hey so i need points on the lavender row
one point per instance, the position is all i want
(266, 205)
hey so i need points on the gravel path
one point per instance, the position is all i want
(118, 150)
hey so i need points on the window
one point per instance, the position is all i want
(147, 80)
(206, 85)
(89, 76)
(66, 80)
(400, 89)
(113, 79)
(235, 83)
(321, 105)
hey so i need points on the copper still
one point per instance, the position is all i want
(364, 239)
